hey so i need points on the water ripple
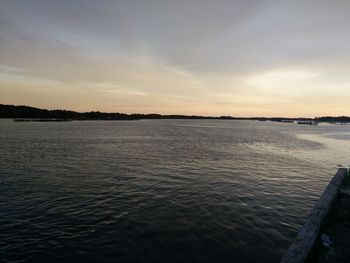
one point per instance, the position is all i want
(155, 191)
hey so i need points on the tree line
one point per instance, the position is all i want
(24, 112)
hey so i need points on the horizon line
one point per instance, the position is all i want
(164, 115)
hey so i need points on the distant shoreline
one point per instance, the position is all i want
(64, 120)
(27, 113)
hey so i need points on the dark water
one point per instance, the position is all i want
(156, 191)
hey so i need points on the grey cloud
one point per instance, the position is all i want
(216, 44)
(199, 36)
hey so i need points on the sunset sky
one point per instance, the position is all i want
(239, 58)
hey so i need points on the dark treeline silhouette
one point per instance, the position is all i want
(26, 112)
(11, 111)
(340, 119)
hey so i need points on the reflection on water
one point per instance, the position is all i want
(161, 190)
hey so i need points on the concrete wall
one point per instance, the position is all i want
(307, 236)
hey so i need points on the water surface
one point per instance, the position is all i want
(161, 190)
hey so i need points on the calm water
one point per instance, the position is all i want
(162, 190)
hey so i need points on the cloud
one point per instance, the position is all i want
(178, 55)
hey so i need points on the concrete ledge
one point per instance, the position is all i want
(307, 235)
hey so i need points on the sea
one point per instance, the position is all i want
(161, 190)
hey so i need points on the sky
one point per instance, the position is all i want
(203, 57)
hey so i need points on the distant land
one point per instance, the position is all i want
(23, 113)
